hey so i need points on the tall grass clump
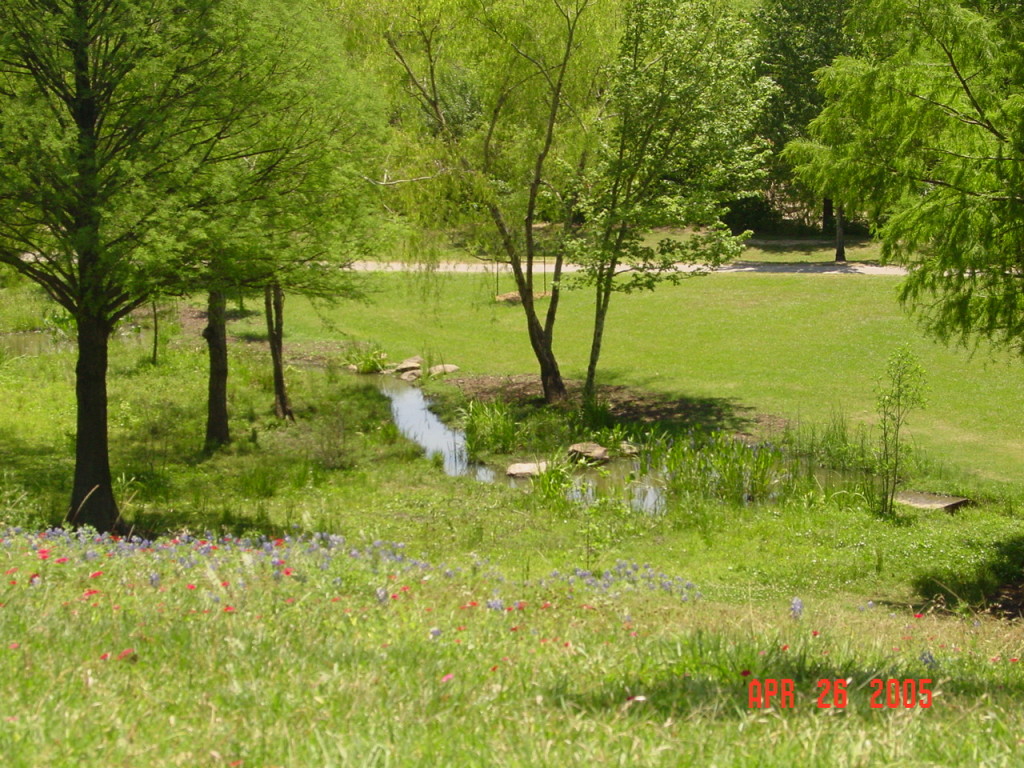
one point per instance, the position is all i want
(719, 466)
(837, 445)
(365, 357)
(489, 427)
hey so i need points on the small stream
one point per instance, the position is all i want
(415, 421)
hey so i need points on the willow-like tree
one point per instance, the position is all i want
(558, 131)
(924, 131)
(114, 116)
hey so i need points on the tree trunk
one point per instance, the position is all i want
(92, 497)
(156, 331)
(273, 299)
(828, 218)
(840, 236)
(602, 298)
(215, 333)
(540, 341)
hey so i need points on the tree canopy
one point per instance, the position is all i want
(135, 137)
(924, 132)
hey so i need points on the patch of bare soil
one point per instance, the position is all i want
(628, 404)
(1007, 602)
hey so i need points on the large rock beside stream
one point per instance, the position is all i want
(441, 370)
(527, 469)
(410, 364)
(588, 452)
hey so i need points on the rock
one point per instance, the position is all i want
(628, 449)
(441, 370)
(410, 364)
(352, 367)
(410, 375)
(588, 451)
(920, 500)
(515, 298)
(527, 470)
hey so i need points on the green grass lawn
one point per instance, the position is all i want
(799, 346)
(508, 626)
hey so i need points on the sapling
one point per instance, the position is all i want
(897, 393)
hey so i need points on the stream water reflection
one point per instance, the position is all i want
(415, 421)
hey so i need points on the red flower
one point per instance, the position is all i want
(918, 615)
(815, 633)
(190, 586)
(745, 673)
(104, 657)
(126, 653)
(287, 571)
(95, 574)
(229, 609)
(43, 554)
(90, 592)
(61, 560)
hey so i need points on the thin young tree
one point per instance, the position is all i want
(676, 140)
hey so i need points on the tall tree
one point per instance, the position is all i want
(114, 116)
(504, 90)
(925, 132)
(301, 207)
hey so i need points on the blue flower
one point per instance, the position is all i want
(796, 608)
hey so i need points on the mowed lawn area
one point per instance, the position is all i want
(797, 346)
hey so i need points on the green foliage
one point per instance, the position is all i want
(490, 427)
(795, 40)
(367, 357)
(675, 144)
(924, 132)
(899, 392)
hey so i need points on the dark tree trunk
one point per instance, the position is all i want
(92, 497)
(828, 217)
(156, 331)
(215, 333)
(840, 236)
(273, 300)
(540, 341)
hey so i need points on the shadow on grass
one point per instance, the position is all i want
(719, 687)
(998, 582)
(784, 244)
(639, 404)
(37, 466)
